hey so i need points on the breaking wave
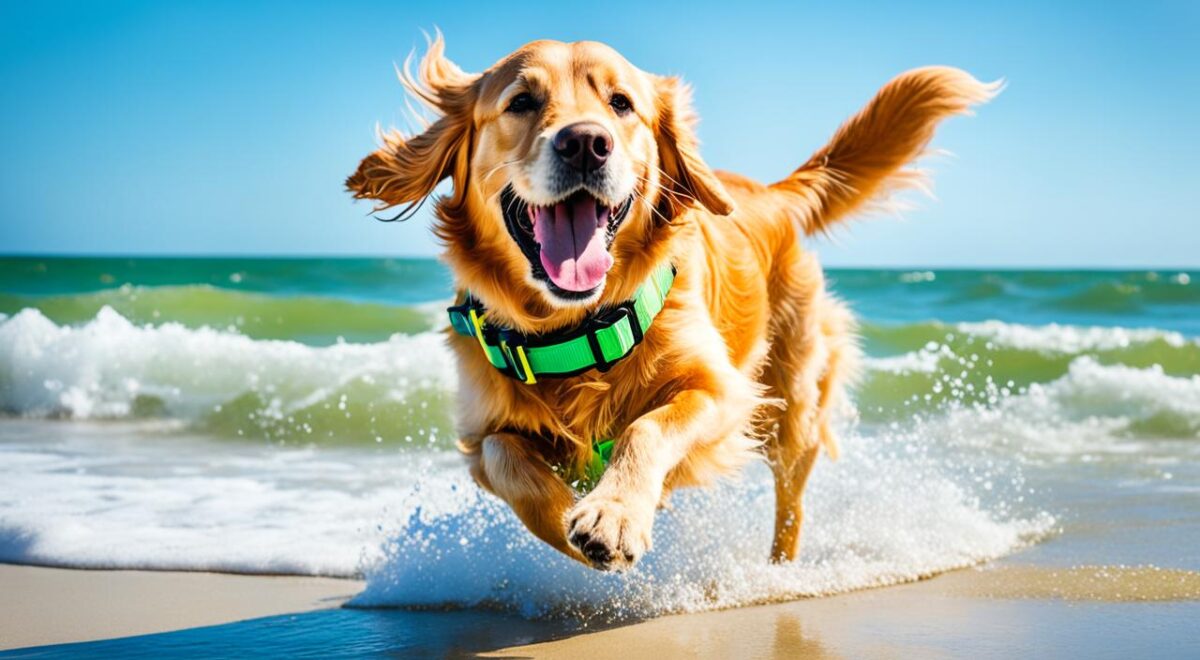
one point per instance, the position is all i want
(227, 383)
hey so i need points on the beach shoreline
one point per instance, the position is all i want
(933, 616)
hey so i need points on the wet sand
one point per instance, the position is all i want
(1007, 610)
(1001, 610)
(41, 606)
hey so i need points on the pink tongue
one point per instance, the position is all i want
(571, 237)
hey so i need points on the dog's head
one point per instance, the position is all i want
(565, 160)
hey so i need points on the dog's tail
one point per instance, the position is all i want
(866, 160)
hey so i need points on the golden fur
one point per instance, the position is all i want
(750, 353)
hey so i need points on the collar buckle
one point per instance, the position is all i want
(610, 319)
(513, 345)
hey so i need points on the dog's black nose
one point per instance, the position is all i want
(583, 146)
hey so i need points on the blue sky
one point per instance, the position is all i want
(228, 127)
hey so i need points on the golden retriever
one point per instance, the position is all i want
(575, 176)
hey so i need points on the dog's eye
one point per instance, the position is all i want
(620, 104)
(522, 103)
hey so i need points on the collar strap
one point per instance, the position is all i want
(600, 342)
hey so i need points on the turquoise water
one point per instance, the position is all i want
(295, 416)
(369, 297)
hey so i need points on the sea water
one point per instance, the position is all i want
(295, 416)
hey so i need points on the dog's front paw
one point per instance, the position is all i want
(610, 532)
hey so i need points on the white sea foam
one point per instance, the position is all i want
(108, 496)
(925, 360)
(871, 519)
(125, 496)
(1093, 407)
(918, 276)
(1067, 338)
(1091, 389)
(100, 369)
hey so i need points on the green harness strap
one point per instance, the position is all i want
(601, 455)
(603, 340)
(583, 480)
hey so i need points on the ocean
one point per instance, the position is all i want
(293, 416)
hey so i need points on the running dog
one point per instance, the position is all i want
(613, 287)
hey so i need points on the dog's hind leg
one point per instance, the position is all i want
(792, 462)
(506, 465)
(812, 354)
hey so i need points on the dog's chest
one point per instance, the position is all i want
(595, 408)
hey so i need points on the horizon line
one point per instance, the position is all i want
(377, 257)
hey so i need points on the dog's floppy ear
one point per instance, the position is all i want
(686, 177)
(405, 170)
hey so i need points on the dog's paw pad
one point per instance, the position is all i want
(609, 533)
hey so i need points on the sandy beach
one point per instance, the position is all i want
(996, 609)
(43, 606)
(989, 611)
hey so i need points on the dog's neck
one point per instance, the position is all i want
(606, 337)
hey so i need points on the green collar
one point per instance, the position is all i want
(601, 341)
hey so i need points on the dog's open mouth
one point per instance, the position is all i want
(566, 243)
